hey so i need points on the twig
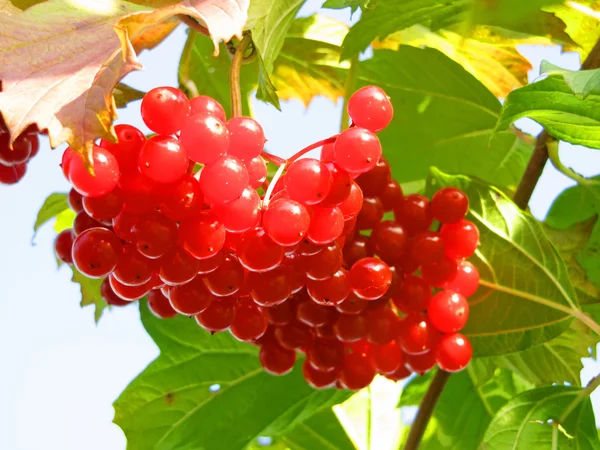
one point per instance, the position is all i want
(234, 76)
(193, 24)
(583, 394)
(540, 153)
(348, 90)
(426, 409)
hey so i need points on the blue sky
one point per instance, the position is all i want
(61, 372)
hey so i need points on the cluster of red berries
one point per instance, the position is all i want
(188, 218)
(13, 161)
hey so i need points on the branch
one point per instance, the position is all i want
(426, 409)
(540, 153)
(193, 24)
(234, 76)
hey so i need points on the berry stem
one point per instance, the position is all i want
(184, 67)
(540, 153)
(426, 409)
(234, 76)
(348, 90)
(273, 158)
(305, 150)
(272, 184)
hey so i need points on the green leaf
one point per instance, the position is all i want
(531, 420)
(574, 205)
(386, 17)
(464, 113)
(269, 21)
(552, 104)
(341, 4)
(415, 389)
(53, 205)
(90, 293)
(582, 24)
(170, 406)
(322, 430)
(124, 94)
(371, 416)
(64, 220)
(582, 82)
(201, 73)
(525, 296)
(509, 13)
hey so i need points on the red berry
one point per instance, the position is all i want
(208, 265)
(352, 305)
(341, 185)
(276, 360)
(205, 105)
(318, 379)
(426, 247)
(191, 298)
(325, 263)
(257, 252)
(104, 208)
(413, 295)
(391, 197)
(294, 335)
(399, 374)
(417, 334)
(326, 225)
(449, 205)
(205, 138)
(325, 354)
(383, 326)
(313, 314)
(328, 152)
(109, 296)
(18, 154)
(134, 268)
(63, 245)
(106, 173)
(160, 306)
(182, 199)
(420, 364)
(247, 138)
(164, 109)
(272, 287)
(389, 241)
(122, 225)
(356, 249)
(466, 280)
(224, 180)
(129, 293)
(350, 328)
(154, 234)
(227, 279)
(219, 314)
(250, 321)
(163, 159)
(240, 214)
(330, 291)
(370, 108)
(448, 311)
(353, 203)
(12, 174)
(387, 358)
(75, 201)
(374, 182)
(308, 181)
(281, 314)
(461, 239)
(96, 252)
(453, 352)
(370, 214)
(370, 278)
(358, 371)
(286, 221)
(203, 236)
(357, 150)
(177, 266)
(127, 148)
(84, 222)
(439, 273)
(414, 213)
(139, 192)
(257, 172)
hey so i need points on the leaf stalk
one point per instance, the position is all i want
(234, 75)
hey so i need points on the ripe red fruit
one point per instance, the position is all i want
(271, 288)
(370, 108)
(140, 193)
(466, 280)
(104, 208)
(341, 185)
(448, 311)
(383, 326)
(134, 268)
(205, 138)
(414, 213)
(286, 221)
(453, 352)
(358, 371)
(330, 291)
(177, 266)
(352, 305)
(163, 159)
(257, 172)
(420, 364)
(106, 173)
(449, 205)
(63, 245)
(357, 150)
(126, 150)
(399, 374)
(159, 305)
(313, 314)
(129, 293)
(227, 279)
(328, 152)
(182, 200)
(370, 278)
(356, 249)
(240, 214)
(203, 236)
(439, 273)
(326, 225)
(461, 239)
(191, 298)
(387, 358)
(353, 203)
(109, 296)
(122, 225)
(350, 328)
(413, 295)
(208, 265)
(389, 241)
(318, 379)
(308, 181)
(96, 252)
(417, 334)
(219, 314)
(325, 263)
(18, 154)
(325, 354)
(370, 214)
(75, 200)
(164, 109)
(224, 180)
(391, 197)
(247, 138)
(281, 314)
(294, 335)
(154, 234)
(12, 174)
(250, 321)
(426, 247)
(257, 252)
(205, 105)
(374, 182)
(84, 222)
(276, 360)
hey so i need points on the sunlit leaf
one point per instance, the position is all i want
(90, 293)
(582, 19)
(53, 205)
(124, 94)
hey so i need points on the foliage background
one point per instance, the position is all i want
(59, 370)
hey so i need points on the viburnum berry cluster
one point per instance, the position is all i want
(13, 161)
(304, 262)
